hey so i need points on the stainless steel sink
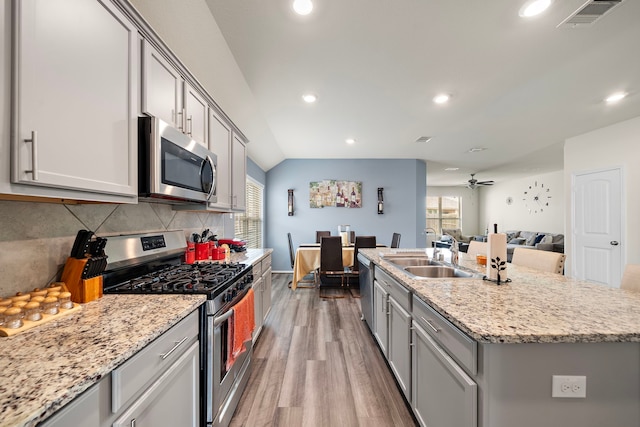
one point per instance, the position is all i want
(437, 271)
(412, 261)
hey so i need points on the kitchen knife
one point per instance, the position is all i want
(83, 244)
(76, 243)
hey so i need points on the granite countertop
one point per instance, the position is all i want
(250, 256)
(44, 368)
(535, 307)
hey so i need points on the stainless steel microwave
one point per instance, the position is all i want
(172, 167)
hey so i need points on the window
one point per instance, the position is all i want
(248, 225)
(443, 212)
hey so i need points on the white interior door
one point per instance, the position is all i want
(597, 232)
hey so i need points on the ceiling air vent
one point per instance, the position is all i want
(423, 139)
(589, 13)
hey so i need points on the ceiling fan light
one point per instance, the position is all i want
(302, 7)
(534, 8)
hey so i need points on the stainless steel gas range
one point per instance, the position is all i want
(151, 263)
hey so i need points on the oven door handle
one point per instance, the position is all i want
(220, 319)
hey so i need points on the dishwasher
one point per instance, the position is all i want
(366, 289)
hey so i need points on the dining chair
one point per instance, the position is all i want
(321, 234)
(352, 275)
(631, 277)
(331, 267)
(352, 237)
(477, 247)
(395, 240)
(552, 262)
(302, 283)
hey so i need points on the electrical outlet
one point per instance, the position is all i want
(573, 386)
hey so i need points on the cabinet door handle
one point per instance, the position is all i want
(190, 126)
(178, 344)
(133, 422)
(614, 243)
(433, 328)
(34, 155)
(180, 120)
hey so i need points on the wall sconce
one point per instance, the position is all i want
(290, 202)
(380, 201)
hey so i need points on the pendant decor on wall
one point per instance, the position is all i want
(335, 193)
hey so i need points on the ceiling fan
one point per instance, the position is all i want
(473, 183)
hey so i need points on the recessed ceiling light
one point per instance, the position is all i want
(451, 169)
(442, 98)
(350, 141)
(476, 149)
(533, 8)
(615, 97)
(302, 7)
(309, 98)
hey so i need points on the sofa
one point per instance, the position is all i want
(533, 240)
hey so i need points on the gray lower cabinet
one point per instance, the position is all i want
(83, 411)
(158, 387)
(399, 352)
(262, 293)
(172, 400)
(380, 316)
(393, 327)
(443, 394)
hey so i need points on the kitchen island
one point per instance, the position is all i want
(506, 342)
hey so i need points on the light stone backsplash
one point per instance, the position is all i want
(36, 238)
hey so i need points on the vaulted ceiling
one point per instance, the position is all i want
(519, 87)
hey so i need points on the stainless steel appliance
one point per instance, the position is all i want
(151, 264)
(365, 269)
(172, 167)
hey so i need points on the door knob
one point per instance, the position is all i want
(614, 243)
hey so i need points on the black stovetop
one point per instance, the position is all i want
(170, 278)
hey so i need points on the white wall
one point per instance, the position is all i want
(613, 146)
(470, 224)
(516, 216)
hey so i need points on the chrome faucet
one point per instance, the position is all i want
(454, 250)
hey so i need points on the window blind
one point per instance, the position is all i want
(248, 225)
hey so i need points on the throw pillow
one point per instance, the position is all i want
(511, 235)
(539, 238)
(517, 241)
(547, 239)
(530, 240)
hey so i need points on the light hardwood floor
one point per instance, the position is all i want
(316, 364)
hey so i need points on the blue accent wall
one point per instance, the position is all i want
(404, 183)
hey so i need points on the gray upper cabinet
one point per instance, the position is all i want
(239, 174)
(75, 111)
(220, 145)
(165, 94)
(196, 115)
(161, 87)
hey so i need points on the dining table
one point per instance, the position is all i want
(308, 259)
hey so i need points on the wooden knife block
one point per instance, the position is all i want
(82, 290)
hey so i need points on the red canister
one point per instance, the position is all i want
(202, 251)
(190, 253)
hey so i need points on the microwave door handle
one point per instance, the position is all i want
(215, 181)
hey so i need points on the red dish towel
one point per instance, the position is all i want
(241, 325)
